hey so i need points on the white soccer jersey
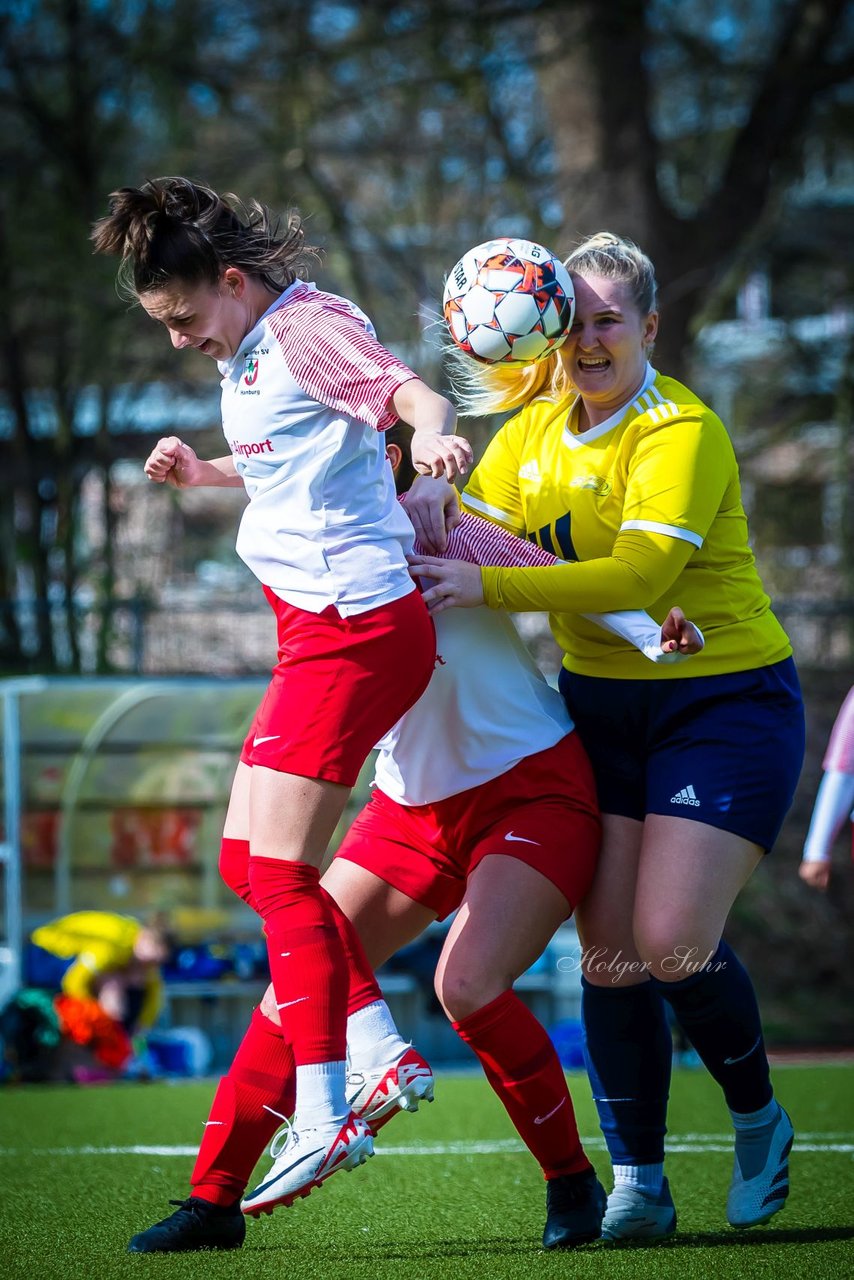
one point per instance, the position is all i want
(834, 804)
(487, 705)
(304, 401)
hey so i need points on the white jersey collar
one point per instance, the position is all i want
(225, 366)
(602, 428)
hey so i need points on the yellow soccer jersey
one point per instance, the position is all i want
(647, 508)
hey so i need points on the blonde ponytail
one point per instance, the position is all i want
(483, 389)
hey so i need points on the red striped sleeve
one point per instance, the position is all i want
(840, 750)
(334, 359)
(482, 542)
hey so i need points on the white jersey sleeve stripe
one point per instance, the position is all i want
(493, 513)
(666, 409)
(669, 530)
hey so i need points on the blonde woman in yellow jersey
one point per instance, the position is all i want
(627, 476)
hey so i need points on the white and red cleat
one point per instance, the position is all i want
(305, 1160)
(376, 1096)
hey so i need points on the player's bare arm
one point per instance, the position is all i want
(436, 450)
(175, 463)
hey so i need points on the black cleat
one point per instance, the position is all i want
(575, 1206)
(195, 1224)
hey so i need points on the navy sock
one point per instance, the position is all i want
(718, 1012)
(628, 1050)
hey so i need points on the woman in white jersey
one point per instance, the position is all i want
(307, 391)
(636, 480)
(483, 802)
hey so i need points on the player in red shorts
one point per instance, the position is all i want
(307, 391)
(514, 848)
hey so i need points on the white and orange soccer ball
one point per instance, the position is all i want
(508, 301)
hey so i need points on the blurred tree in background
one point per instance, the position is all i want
(407, 132)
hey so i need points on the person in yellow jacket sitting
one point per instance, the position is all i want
(102, 956)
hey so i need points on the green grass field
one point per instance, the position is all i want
(450, 1194)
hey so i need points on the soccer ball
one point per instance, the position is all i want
(508, 301)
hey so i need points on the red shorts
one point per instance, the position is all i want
(339, 685)
(543, 812)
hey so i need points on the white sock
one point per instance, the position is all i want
(642, 1177)
(321, 1096)
(372, 1037)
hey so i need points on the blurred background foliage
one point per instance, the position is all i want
(716, 132)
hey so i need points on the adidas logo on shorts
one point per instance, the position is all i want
(686, 796)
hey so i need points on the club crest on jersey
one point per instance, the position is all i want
(600, 486)
(250, 370)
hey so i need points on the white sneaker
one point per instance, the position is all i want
(379, 1094)
(756, 1199)
(305, 1160)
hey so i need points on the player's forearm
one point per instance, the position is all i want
(79, 980)
(640, 571)
(216, 473)
(486, 544)
(833, 805)
(424, 409)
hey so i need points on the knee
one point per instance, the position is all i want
(670, 952)
(461, 994)
(611, 963)
(234, 868)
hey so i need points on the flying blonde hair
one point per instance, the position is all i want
(484, 389)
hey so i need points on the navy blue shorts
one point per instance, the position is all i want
(725, 750)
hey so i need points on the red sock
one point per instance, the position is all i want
(247, 1110)
(524, 1070)
(307, 962)
(234, 868)
(364, 988)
